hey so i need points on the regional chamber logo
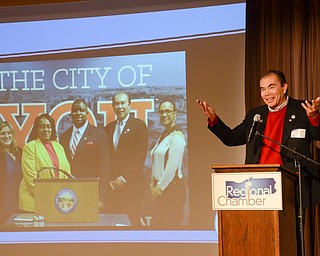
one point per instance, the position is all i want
(247, 191)
(66, 201)
(252, 191)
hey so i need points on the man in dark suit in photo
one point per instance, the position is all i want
(128, 143)
(87, 150)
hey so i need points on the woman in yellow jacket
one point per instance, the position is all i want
(40, 152)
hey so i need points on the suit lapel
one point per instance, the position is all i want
(263, 120)
(41, 150)
(126, 129)
(84, 139)
(57, 150)
(289, 121)
(66, 143)
(109, 131)
(112, 127)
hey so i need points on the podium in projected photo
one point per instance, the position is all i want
(256, 209)
(67, 200)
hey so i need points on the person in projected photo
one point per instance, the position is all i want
(10, 171)
(293, 123)
(87, 149)
(42, 151)
(128, 144)
(167, 187)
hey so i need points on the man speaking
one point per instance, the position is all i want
(287, 121)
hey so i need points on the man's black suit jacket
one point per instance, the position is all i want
(92, 157)
(128, 160)
(295, 118)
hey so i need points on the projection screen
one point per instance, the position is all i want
(180, 53)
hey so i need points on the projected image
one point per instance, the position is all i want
(121, 119)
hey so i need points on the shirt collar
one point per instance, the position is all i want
(124, 120)
(81, 129)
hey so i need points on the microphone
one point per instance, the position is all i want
(256, 121)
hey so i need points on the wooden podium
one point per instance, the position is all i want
(67, 200)
(259, 232)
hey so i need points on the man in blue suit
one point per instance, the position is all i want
(87, 150)
(128, 143)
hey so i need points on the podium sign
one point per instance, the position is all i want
(247, 191)
(243, 230)
(67, 200)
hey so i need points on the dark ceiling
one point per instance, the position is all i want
(27, 10)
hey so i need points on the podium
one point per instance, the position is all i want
(259, 232)
(67, 200)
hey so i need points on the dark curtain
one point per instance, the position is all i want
(285, 35)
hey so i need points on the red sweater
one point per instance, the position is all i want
(270, 152)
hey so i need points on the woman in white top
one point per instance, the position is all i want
(167, 187)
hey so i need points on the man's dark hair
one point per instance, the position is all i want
(79, 101)
(279, 74)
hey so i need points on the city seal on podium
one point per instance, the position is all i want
(66, 201)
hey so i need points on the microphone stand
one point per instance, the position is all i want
(297, 161)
